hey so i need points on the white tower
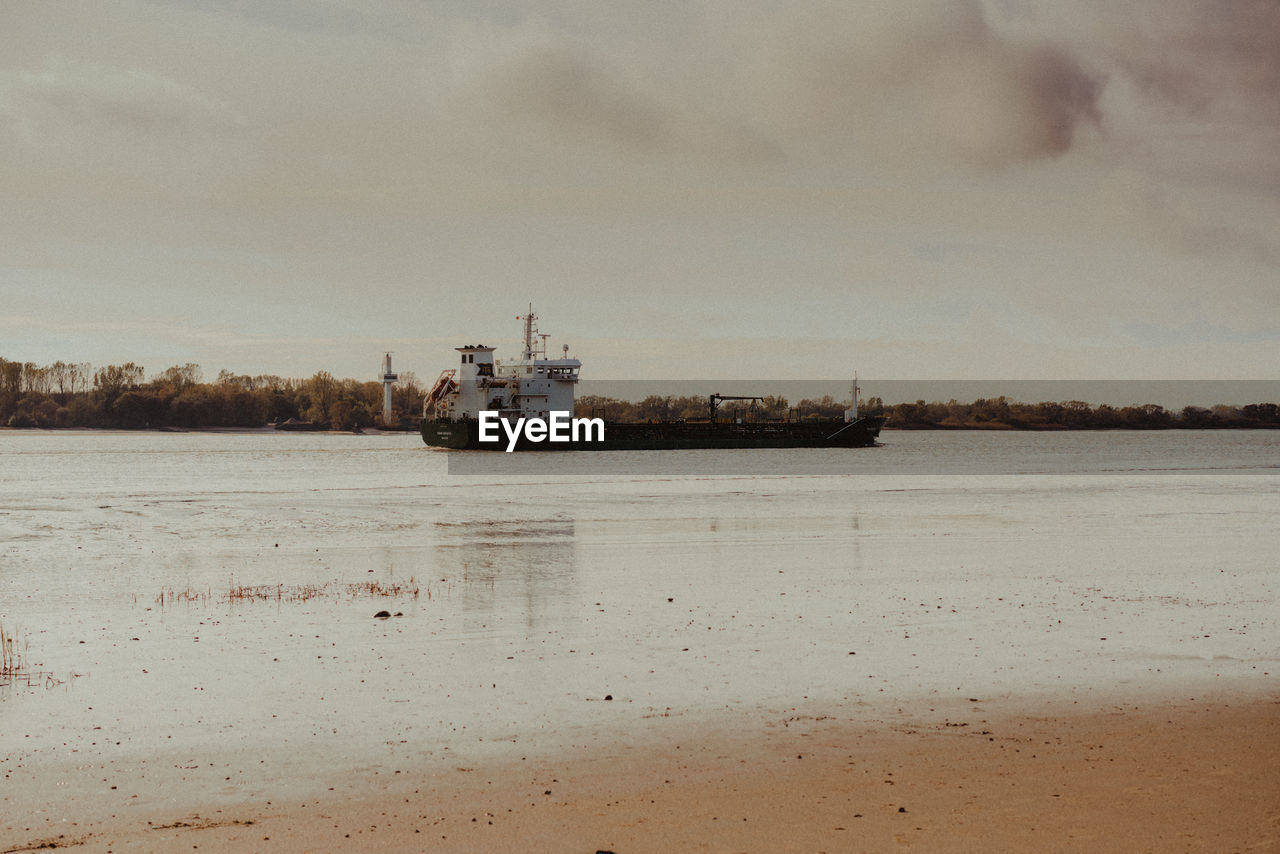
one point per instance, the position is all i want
(388, 379)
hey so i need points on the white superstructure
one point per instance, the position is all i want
(529, 386)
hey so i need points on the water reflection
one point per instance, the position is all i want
(529, 566)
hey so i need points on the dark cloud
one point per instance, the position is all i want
(1058, 96)
(758, 82)
(940, 77)
(924, 77)
(1204, 54)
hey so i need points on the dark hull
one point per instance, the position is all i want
(675, 436)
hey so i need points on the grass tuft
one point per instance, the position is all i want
(292, 592)
(10, 657)
(13, 666)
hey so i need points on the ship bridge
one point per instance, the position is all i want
(531, 385)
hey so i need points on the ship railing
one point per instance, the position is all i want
(845, 427)
(441, 387)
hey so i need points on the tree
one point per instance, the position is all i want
(281, 406)
(137, 408)
(1262, 413)
(10, 377)
(60, 379)
(114, 379)
(35, 378)
(323, 394)
(407, 394)
(45, 413)
(653, 408)
(10, 387)
(196, 406)
(178, 377)
(1194, 417)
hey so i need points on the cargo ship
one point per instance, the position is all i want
(488, 404)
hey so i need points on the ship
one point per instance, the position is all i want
(489, 404)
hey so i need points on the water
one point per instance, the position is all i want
(696, 602)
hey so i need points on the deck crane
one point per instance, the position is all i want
(714, 401)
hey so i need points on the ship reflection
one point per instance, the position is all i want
(525, 566)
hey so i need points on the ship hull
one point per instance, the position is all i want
(674, 436)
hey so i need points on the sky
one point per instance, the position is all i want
(1017, 189)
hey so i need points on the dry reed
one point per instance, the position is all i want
(293, 592)
(10, 658)
(13, 669)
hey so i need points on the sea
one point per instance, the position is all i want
(193, 615)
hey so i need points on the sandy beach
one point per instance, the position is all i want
(1193, 775)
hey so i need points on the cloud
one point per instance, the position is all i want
(931, 78)
(824, 165)
(567, 89)
(67, 98)
(759, 82)
(1202, 54)
(530, 83)
(1194, 115)
(1016, 103)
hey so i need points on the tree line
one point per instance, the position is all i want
(123, 396)
(1000, 413)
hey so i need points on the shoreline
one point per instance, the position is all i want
(989, 427)
(231, 431)
(1188, 774)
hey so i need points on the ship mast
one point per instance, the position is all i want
(851, 414)
(528, 333)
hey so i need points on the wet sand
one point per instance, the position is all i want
(1192, 775)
